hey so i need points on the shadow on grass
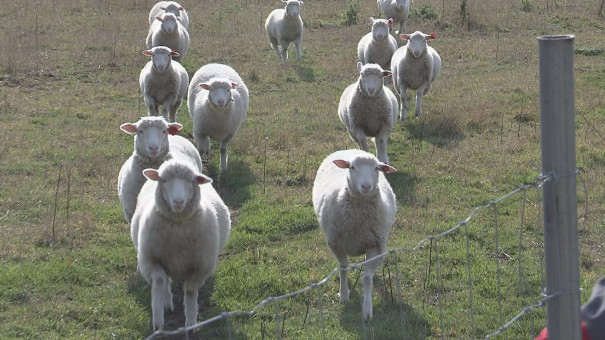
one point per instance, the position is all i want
(438, 129)
(403, 184)
(175, 319)
(233, 184)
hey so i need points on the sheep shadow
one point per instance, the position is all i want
(403, 184)
(392, 317)
(173, 320)
(233, 184)
(437, 128)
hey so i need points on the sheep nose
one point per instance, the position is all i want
(178, 205)
(366, 187)
(154, 149)
(221, 102)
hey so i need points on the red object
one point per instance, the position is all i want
(544, 334)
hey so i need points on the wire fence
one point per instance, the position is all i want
(433, 298)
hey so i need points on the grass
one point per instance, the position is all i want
(71, 78)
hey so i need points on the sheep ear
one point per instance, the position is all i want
(342, 164)
(431, 36)
(387, 169)
(174, 53)
(371, 20)
(163, 8)
(390, 21)
(147, 52)
(159, 18)
(233, 85)
(205, 86)
(151, 174)
(181, 8)
(129, 128)
(387, 73)
(174, 128)
(359, 66)
(202, 179)
(404, 36)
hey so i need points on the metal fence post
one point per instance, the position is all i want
(561, 246)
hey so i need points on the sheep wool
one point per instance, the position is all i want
(179, 227)
(163, 82)
(168, 31)
(378, 46)
(415, 66)
(154, 142)
(368, 109)
(218, 103)
(398, 10)
(285, 26)
(169, 6)
(356, 209)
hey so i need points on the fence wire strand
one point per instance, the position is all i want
(432, 239)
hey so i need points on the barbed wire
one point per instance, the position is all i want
(541, 181)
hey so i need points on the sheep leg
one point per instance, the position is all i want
(284, 50)
(419, 93)
(403, 105)
(223, 151)
(275, 47)
(167, 108)
(152, 108)
(297, 46)
(362, 140)
(381, 145)
(368, 276)
(159, 284)
(401, 27)
(190, 302)
(203, 146)
(173, 111)
(343, 262)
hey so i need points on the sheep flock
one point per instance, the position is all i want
(172, 205)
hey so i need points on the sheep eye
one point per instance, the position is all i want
(351, 168)
(140, 131)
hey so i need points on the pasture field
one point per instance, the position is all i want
(69, 77)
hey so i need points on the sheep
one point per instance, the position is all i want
(154, 142)
(218, 103)
(415, 66)
(369, 109)
(284, 26)
(355, 208)
(164, 82)
(168, 31)
(378, 46)
(169, 6)
(396, 9)
(179, 227)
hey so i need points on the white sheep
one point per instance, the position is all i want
(164, 82)
(168, 31)
(356, 208)
(179, 227)
(218, 103)
(169, 6)
(378, 46)
(154, 142)
(415, 66)
(369, 109)
(284, 26)
(396, 9)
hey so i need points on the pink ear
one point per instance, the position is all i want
(151, 174)
(202, 179)
(387, 169)
(387, 73)
(390, 21)
(159, 18)
(147, 52)
(174, 53)
(342, 164)
(174, 128)
(233, 85)
(181, 8)
(404, 36)
(205, 86)
(431, 36)
(129, 128)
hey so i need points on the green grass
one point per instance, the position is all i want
(70, 78)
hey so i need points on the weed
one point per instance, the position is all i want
(351, 14)
(424, 12)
